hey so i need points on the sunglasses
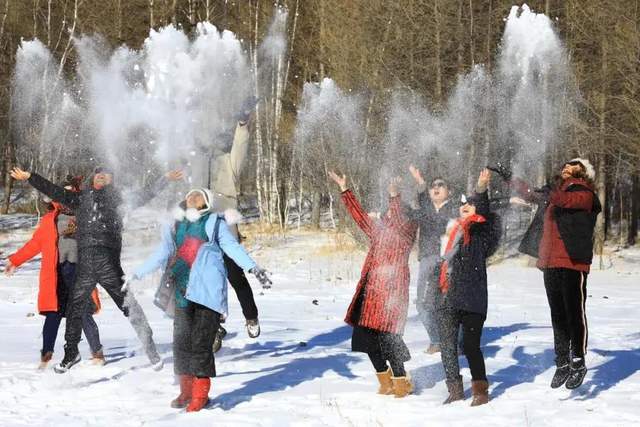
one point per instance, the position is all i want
(437, 184)
(574, 163)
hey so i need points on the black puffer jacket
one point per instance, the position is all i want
(468, 266)
(432, 223)
(98, 216)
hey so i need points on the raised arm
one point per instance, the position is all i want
(30, 249)
(46, 187)
(239, 150)
(353, 206)
(148, 192)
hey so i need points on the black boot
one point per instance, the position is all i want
(71, 357)
(217, 342)
(561, 375)
(577, 372)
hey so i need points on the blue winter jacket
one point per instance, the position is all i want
(208, 277)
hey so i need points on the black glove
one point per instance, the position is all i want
(261, 275)
(247, 108)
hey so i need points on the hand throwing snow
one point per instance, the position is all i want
(415, 173)
(175, 175)
(19, 174)
(483, 181)
(9, 269)
(393, 186)
(340, 180)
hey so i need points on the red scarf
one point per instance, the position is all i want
(463, 225)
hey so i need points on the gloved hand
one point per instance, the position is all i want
(128, 280)
(247, 108)
(261, 275)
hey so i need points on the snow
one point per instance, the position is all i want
(300, 371)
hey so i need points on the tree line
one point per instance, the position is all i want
(369, 47)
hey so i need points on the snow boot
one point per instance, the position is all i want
(577, 372)
(253, 328)
(98, 359)
(480, 391)
(199, 394)
(217, 342)
(71, 357)
(45, 358)
(401, 386)
(433, 349)
(186, 387)
(456, 391)
(560, 376)
(386, 384)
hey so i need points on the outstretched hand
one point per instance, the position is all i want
(393, 186)
(174, 175)
(340, 180)
(415, 173)
(483, 180)
(19, 174)
(9, 269)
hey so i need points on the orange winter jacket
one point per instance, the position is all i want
(45, 241)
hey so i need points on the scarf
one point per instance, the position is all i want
(459, 226)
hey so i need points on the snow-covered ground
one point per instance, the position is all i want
(300, 371)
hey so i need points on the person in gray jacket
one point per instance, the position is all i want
(433, 214)
(223, 177)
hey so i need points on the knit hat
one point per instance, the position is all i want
(182, 212)
(588, 167)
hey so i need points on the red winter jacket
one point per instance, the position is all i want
(385, 275)
(552, 252)
(45, 241)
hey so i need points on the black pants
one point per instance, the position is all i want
(241, 286)
(66, 281)
(380, 364)
(194, 329)
(567, 294)
(449, 321)
(102, 265)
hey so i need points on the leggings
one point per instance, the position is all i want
(380, 365)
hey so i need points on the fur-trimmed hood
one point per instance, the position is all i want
(590, 171)
(181, 212)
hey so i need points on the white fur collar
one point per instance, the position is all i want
(231, 216)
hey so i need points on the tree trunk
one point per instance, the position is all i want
(315, 210)
(634, 210)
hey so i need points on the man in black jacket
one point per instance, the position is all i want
(99, 236)
(434, 213)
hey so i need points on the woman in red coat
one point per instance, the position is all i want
(54, 240)
(378, 311)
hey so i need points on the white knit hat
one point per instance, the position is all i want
(588, 167)
(182, 212)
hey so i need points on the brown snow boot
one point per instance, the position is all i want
(45, 358)
(402, 386)
(186, 386)
(456, 391)
(386, 385)
(480, 390)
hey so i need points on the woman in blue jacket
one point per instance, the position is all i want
(192, 253)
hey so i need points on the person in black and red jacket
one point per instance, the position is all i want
(472, 238)
(561, 237)
(378, 310)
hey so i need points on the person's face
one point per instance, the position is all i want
(195, 200)
(102, 179)
(467, 210)
(439, 192)
(571, 169)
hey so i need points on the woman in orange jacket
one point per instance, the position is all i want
(54, 239)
